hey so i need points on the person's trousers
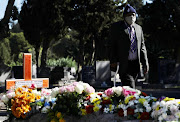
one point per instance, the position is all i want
(129, 77)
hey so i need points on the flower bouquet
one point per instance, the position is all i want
(68, 99)
(166, 109)
(20, 101)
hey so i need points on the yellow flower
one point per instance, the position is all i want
(106, 98)
(141, 100)
(139, 116)
(157, 108)
(53, 120)
(128, 98)
(179, 102)
(178, 114)
(61, 120)
(30, 90)
(83, 112)
(110, 107)
(58, 115)
(169, 99)
(96, 108)
(38, 97)
(98, 102)
(94, 100)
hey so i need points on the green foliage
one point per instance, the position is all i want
(92, 19)
(12, 49)
(161, 27)
(5, 51)
(67, 103)
(62, 62)
(65, 47)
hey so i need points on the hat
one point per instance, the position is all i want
(129, 9)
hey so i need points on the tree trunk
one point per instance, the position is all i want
(37, 58)
(178, 65)
(4, 27)
(93, 52)
(44, 53)
(80, 59)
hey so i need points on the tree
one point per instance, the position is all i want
(4, 27)
(12, 47)
(160, 23)
(91, 19)
(42, 22)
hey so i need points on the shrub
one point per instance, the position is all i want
(62, 62)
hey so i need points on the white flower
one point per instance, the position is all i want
(1, 104)
(48, 99)
(148, 109)
(79, 105)
(140, 110)
(145, 103)
(36, 93)
(177, 115)
(131, 103)
(147, 97)
(136, 96)
(160, 118)
(136, 110)
(79, 88)
(54, 92)
(106, 110)
(162, 103)
(45, 109)
(11, 95)
(117, 90)
(153, 114)
(125, 112)
(136, 101)
(164, 115)
(4, 99)
(85, 85)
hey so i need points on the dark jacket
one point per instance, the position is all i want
(120, 45)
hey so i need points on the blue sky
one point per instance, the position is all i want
(3, 4)
(18, 4)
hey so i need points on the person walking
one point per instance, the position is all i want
(128, 48)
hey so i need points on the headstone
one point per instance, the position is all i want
(56, 74)
(17, 72)
(27, 75)
(167, 72)
(103, 74)
(88, 75)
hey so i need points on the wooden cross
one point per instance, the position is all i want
(27, 75)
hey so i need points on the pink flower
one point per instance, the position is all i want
(128, 92)
(45, 92)
(75, 83)
(70, 88)
(62, 89)
(109, 92)
(90, 90)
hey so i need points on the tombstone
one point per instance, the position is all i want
(27, 75)
(56, 74)
(103, 74)
(167, 72)
(17, 72)
(88, 75)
